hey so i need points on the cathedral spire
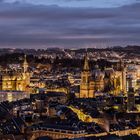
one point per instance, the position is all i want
(86, 64)
(85, 88)
(25, 63)
(25, 58)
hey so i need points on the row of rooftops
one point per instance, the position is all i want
(72, 125)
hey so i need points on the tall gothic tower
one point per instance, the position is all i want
(25, 64)
(26, 74)
(85, 80)
(124, 80)
(123, 71)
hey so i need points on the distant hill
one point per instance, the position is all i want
(129, 49)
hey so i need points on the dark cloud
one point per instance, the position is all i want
(72, 0)
(52, 26)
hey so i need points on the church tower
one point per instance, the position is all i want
(25, 75)
(25, 64)
(123, 80)
(85, 80)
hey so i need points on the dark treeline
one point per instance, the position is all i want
(17, 58)
(129, 49)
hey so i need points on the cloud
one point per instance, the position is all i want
(53, 26)
(78, 3)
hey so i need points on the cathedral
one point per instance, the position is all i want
(108, 80)
(15, 80)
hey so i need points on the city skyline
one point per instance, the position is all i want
(70, 94)
(69, 24)
(69, 69)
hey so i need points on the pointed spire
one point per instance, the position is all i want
(86, 64)
(25, 59)
(25, 63)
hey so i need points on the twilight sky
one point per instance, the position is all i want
(69, 23)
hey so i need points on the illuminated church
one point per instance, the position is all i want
(96, 81)
(15, 80)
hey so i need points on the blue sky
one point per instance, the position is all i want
(69, 23)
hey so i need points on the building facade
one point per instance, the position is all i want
(86, 86)
(15, 80)
(108, 80)
(131, 100)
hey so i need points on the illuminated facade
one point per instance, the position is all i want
(15, 80)
(118, 78)
(99, 81)
(86, 86)
(133, 77)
